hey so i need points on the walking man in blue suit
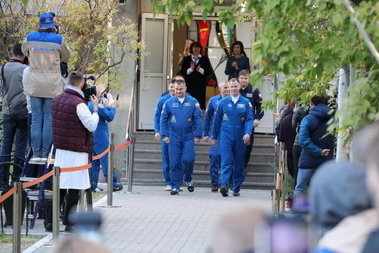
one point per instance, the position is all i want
(232, 127)
(181, 128)
(214, 151)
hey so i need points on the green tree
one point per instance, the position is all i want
(99, 37)
(308, 41)
(14, 25)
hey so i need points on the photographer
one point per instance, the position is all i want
(14, 116)
(46, 50)
(107, 112)
(73, 125)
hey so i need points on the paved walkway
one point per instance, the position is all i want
(151, 220)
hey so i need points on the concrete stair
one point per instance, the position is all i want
(148, 162)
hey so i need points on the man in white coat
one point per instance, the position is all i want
(73, 124)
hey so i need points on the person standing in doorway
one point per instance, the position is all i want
(181, 128)
(232, 127)
(214, 151)
(196, 69)
(238, 61)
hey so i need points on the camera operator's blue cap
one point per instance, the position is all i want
(46, 20)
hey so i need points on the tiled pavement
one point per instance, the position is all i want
(151, 220)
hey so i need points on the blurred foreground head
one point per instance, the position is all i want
(337, 190)
(79, 245)
(234, 231)
(365, 149)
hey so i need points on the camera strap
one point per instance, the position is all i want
(2, 76)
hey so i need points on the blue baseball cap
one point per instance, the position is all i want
(46, 20)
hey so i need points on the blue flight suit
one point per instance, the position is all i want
(214, 151)
(232, 121)
(181, 122)
(164, 146)
(101, 143)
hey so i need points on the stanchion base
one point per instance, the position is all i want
(109, 206)
(132, 192)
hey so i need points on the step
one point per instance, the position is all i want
(258, 138)
(204, 175)
(201, 165)
(201, 147)
(205, 183)
(200, 155)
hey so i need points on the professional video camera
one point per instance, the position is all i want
(55, 24)
(87, 89)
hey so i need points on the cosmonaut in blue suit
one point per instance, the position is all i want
(107, 112)
(157, 136)
(214, 151)
(232, 127)
(181, 127)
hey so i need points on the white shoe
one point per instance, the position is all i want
(97, 189)
(168, 188)
(43, 160)
(35, 159)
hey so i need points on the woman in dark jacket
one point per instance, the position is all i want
(196, 69)
(238, 61)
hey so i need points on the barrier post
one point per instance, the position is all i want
(81, 201)
(110, 171)
(130, 164)
(17, 211)
(56, 202)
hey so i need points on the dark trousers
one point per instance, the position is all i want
(249, 148)
(72, 198)
(296, 156)
(290, 164)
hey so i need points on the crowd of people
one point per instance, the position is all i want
(42, 101)
(39, 103)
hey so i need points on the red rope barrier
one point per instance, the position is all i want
(123, 145)
(8, 194)
(102, 154)
(49, 174)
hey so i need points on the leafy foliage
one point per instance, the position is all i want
(308, 41)
(14, 25)
(99, 37)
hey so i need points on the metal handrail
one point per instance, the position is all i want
(129, 132)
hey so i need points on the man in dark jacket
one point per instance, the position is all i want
(317, 144)
(255, 99)
(14, 130)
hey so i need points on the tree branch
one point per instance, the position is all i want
(361, 30)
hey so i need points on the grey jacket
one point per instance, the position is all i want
(13, 92)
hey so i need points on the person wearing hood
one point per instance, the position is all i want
(316, 143)
(338, 216)
(344, 201)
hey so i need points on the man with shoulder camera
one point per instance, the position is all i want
(73, 124)
(13, 127)
(46, 50)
